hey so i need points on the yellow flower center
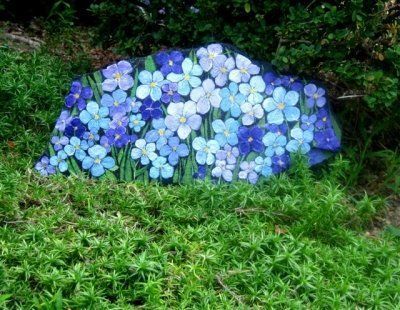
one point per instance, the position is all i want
(144, 152)
(243, 70)
(96, 116)
(117, 76)
(97, 161)
(153, 84)
(324, 119)
(231, 98)
(161, 131)
(117, 136)
(206, 149)
(76, 96)
(187, 77)
(212, 55)
(119, 123)
(135, 122)
(226, 133)
(223, 70)
(315, 96)
(182, 119)
(281, 106)
(116, 103)
(170, 62)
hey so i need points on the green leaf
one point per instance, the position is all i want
(247, 7)
(149, 64)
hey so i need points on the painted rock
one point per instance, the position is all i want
(183, 115)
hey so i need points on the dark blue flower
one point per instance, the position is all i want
(150, 109)
(271, 80)
(323, 120)
(170, 62)
(327, 140)
(292, 83)
(78, 95)
(278, 129)
(280, 163)
(201, 172)
(117, 137)
(250, 139)
(170, 93)
(75, 128)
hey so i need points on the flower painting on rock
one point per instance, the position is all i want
(181, 116)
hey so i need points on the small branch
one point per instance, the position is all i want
(349, 97)
(226, 288)
(33, 43)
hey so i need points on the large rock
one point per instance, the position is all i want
(182, 115)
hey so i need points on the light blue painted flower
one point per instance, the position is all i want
(145, 151)
(251, 112)
(281, 106)
(189, 78)
(174, 150)
(159, 134)
(136, 122)
(205, 150)
(263, 166)
(275, 144)
(59, 161)
(95, 116)
(76, 147)
(161, 168)
(91, 137)
(231, 99)
(97, 161)
(226, 132)
(252, 90)
(151, 85)
(301, 141)
(133, 104)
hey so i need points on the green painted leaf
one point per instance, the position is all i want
(149, 64)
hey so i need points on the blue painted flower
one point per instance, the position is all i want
(150, 109)
(327, 140)
(280, 163)
(307, 121)
(301, 141)
(59, 161)
(59, 142)
(281, 106)
(161, 168)
(263, 166)
(252, 90)
(323, 119)
(275, 144)
(169, 62)
(201, 172)
(207, 56)
(223, 169)
(75, 128)
(118, 75)
(159, 134)
(116, 103)
(244, 69)
(277, 129)
(189, 78)
(97, 161)
(231, 99)
(76, 147)
(133, 104)
(104, 142)
(226, 132)
(118, 137)
(63, 120)
(170, 93)
(91, 137)
(247, 172)
(251, 112)
(43, 166)
(221, 68)
(250, 139)
(145, 151)
(205, 150)
(291, 82)
(182, 118)
(316, 95)
(228, 153)
(174, 150)
(136, 122)
(151, 85)
(271, 80)
(95, 116)
(78, 96)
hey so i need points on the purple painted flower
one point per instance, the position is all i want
(171, 62)
(280, 163)
(117, 137)
(201, 172)
(244, 70)
(78, 95)
(223, 169)
(174, 150)
(208, 55)
(323, 119)
(159, 134)
(119, 120)
(206, 96)
(229, 154)
(291, 82)
(118, 75)
(105, 142)
(59, 142)
(43, 166)
(182, 118)
(271, 80)
(150, 109)
(327, 140)
(170, 93)
(250, 139)
(91, 137)
(247, 172)
(222, 67)
(277, 129)
(116, 103)
(75, 128)
(133, 104)
(307, 122)
(316, 95)
(63, 120)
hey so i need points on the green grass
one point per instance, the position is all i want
(296, 241)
